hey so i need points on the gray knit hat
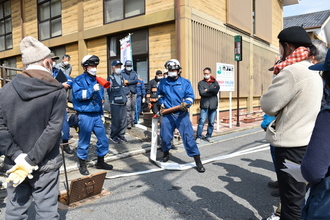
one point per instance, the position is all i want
(33, 50)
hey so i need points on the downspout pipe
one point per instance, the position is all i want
(178, 29)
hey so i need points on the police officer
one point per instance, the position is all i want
(88, 98)
(173, 91)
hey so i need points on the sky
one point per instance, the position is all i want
(306, 6)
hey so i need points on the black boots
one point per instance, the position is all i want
(166, 156)
(199, 166)
(100, 164)
(66, 147)
(83, 167)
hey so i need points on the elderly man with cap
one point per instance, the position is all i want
(31, 117)
(152, 97)
(295, 99)
(131, 80)
(117, 99)
(87, 99)
(65, 65)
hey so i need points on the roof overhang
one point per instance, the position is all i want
(290, 2)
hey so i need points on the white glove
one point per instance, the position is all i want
(20, 171)
(21, 160)
(103, 119)
(96, 87)
(143, 100)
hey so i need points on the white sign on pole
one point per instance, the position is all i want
(226, 79)
(225, 76)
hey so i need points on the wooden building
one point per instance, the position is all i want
(199, 33)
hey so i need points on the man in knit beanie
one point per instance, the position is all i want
(31, 117)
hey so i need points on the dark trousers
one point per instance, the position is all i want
(292, 193)
(118, 121)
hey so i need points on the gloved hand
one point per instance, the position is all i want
(103, 119)
(143, 100)
(162, 108)
(20, 171)
(96, 87)
(184, 106)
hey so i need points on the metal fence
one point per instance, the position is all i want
(5, 77)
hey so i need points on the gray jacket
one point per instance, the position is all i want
(32, 109)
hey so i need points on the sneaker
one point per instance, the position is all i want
(123, 138)
(116, 140)
(208, 139)
(198, 140)
(272, 217)
(273, 184)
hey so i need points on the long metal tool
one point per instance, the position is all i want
(66, 174)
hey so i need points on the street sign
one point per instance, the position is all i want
(225, 76)
(238, 47)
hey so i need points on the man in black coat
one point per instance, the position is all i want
(208, 90)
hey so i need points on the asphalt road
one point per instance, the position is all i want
(234, 186)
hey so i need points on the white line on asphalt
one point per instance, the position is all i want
(190, 165)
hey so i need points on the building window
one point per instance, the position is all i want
(49, 18)
(115, 10)
(6, 39)
(140, 52)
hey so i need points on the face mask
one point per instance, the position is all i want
(118, 71)
(128, 68)
(92, 71)
(54, 63)
(206, 76)
(159, 77)
(165, 76)
(48, 65)
(66, 63)
(173, 74)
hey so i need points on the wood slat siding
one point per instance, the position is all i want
(69, 17)
(216, 9)
(98, 47)
(72, 50)
(16, 22)
(30, 18)
(162, 47)
(93, 14)
(153, 6)
(277, 21)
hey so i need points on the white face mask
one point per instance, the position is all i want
(117, 70)
(159, 77)
(172, 74)
(92, 71)
(54, 63)
(206, 76)
(66, 63)
(128, 68)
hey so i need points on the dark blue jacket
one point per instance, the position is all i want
(84, 98)
(140, 88)
(132, 79)
(172, 92)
